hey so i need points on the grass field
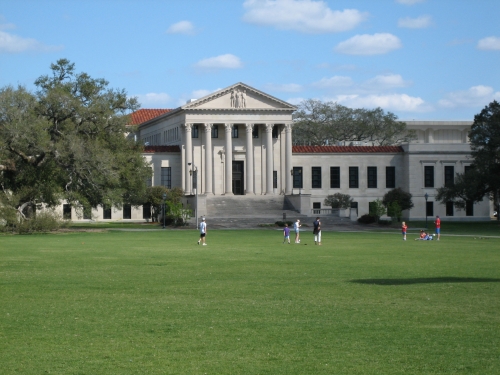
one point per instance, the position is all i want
(156, 303)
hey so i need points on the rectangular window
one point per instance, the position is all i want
(166, 177)
(106, 212)
(449, 176)
(275, 131)
(316, 208)
(334, 177)
(428, 176)
(275, 179)
(255, 131)
(235, 131)
(353, 177)
(469, 208)
(127, 211)
(215, 131)
(449, 209)
(194, 131)
(316, 177)
(390, 177)
(66, 211)
(146, 211)
(467, 168)
(354, 206)
(297, 177)
(429, 209)
(372, 177)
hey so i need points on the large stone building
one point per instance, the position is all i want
(237, 142)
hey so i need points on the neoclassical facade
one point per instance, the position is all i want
(237, 142)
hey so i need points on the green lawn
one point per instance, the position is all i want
(156, 303)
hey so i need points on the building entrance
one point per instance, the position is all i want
(238, 183)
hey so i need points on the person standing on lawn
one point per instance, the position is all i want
(286, 234)
(404, 227)
(317, 231)
(296, 227)
(437, 222)
(203, 232)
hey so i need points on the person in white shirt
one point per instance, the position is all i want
(296, 227)
(203, 232)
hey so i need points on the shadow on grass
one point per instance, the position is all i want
(426, 280)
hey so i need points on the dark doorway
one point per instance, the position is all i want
(238, 183)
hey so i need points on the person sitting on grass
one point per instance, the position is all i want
(424, 236)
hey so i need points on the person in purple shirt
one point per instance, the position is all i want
(286, 234)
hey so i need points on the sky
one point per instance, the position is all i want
(419, 59)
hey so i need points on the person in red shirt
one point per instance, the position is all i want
(438, 227)
(404, 227)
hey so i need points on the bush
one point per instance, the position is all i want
(338, 200)
(280, 223)
(367, 219)
(42, 222)
(385, 222)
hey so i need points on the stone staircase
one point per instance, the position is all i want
(260, 211)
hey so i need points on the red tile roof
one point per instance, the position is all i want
(143, 115)
(153, 149)
(345, 149)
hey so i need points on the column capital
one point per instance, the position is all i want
(228, 127)
(288, 127)
(269, 128)
(188, 126)
(208, 127)
(249, 128)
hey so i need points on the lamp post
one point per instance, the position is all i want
(164, 199)
(426, 196)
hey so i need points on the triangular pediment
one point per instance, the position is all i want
(239, 97)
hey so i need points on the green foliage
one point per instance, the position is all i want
(403, 199)
(41, 222)
(319, 123)
(338, 200)
(66, 141)
(367, 219)
(377, 209)
(483, 178)
(280, 223)
(394, 211)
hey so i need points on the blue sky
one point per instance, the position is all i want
(420, 59)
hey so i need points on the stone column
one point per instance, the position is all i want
(288, 159)
(208, 158)
(269, 159)
(229, 159)
(188, 143)
(249, 157)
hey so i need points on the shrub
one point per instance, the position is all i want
(338, 200)
(280, 223)
(42, 222)
(367, 219)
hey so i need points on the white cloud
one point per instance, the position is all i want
(182, 27)
(286, 87)
(197, 94)
(475, 96)
(415, 23)
(409, 2)
(306, 16)
(366, 44)
(10, 43)
(154, 100)
(295, 101)
(333, 82)
(227, 61)
(387, 81)
(392, 102)
(489, 43)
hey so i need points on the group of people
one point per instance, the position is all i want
(296, 228)
(424, 236)
(317, 232)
